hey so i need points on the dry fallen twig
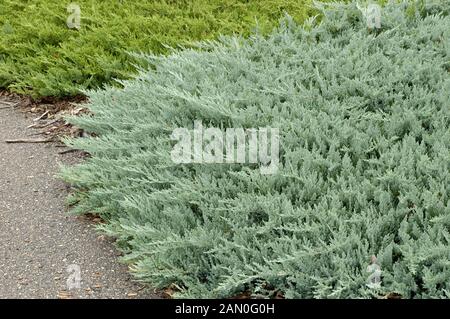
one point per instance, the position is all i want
(49, 123)
(30, 141)
(7, 105)
(68, 151)
(36, 125)
(42, 116)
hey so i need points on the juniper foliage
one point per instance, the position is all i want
(364, 121)
(41, 56)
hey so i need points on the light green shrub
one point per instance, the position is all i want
(40, 55)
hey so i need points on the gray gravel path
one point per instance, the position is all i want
(38, 239)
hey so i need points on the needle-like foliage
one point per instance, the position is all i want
(364, 119)
(41, 56)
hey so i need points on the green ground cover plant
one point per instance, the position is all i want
(41, 56)
(364, 120)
